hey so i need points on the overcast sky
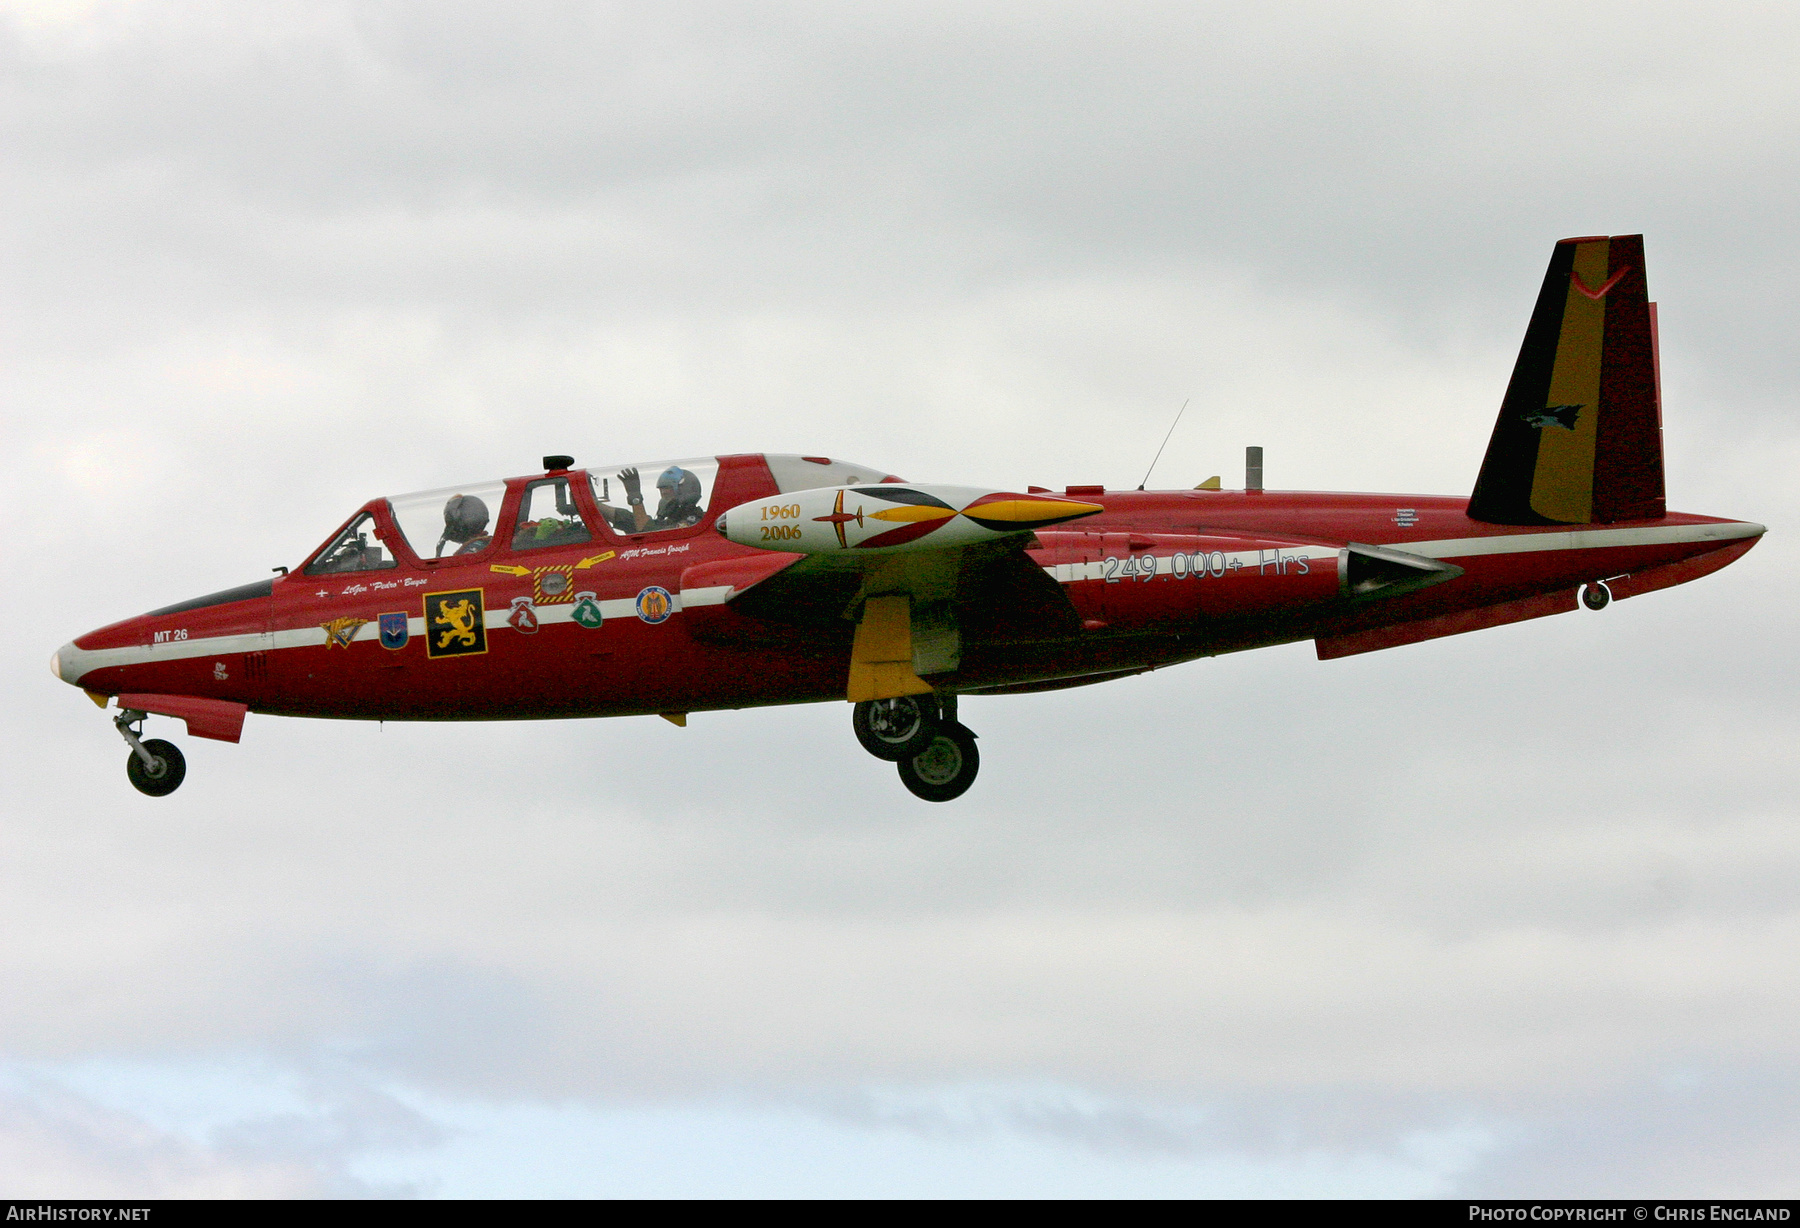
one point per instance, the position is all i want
(1511, 913)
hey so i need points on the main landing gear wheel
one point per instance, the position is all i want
(946, 768)
(1596, 596)
(163, 775)
(896, 729)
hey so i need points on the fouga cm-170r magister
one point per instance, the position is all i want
(764, 579)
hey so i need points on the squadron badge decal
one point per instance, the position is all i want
(523, 618)
(587, 611)
(654, 604)
(394, 633)
(455, 623)
(341, 631)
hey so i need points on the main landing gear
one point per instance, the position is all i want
(921, 736)
(155, 767)
(1595, 595)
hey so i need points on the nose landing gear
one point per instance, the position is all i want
(1595, 595)
(921, 736)
(155, 768)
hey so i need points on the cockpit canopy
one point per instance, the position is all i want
(455, 520)
(356, 548)
(656, 497)
(624, 500)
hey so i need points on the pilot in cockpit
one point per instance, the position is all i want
(678, 503)
(465, 522)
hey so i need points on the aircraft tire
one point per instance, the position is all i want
(157, 783)
(895, 729)
(1596, 596)
(946, 768)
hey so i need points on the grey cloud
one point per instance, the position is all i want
(1370, 151)
(1698, 1130)
(56, 1144)
(1065, 1115)
(345, 1121)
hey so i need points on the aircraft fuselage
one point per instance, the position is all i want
(1156, 578)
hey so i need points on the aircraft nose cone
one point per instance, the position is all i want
(69, 663)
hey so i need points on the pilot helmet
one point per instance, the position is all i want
(683, 487)
(465, 516)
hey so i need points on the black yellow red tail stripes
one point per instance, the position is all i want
(1579, 439)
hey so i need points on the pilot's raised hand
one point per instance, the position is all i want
(634, 490)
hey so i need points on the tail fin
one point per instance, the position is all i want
(1579, 440)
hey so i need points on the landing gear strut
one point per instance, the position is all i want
(155, 768)
(921, 736)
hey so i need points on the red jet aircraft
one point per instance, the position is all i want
(764, 579)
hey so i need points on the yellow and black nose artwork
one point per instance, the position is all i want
(455, 623)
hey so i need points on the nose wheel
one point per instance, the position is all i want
(164, 774)
(1595, 595)
(155, 768)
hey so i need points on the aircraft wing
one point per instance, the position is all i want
(898, 574)
(996, 588)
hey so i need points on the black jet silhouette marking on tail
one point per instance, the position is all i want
(1555, 415)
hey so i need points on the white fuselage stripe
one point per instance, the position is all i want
(75, 662)
(1578, 539)
(1471, 547)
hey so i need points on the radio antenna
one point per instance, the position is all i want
(1165, 443)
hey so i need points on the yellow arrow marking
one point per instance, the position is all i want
(912, 512)
(598, 558)
(1026, 511)
(505, 570)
